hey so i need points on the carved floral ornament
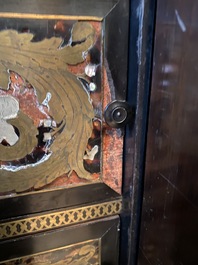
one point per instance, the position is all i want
(45, 113)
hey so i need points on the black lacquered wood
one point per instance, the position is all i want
(52, 200)
(59, 7)
(116, 48)
(106, 229)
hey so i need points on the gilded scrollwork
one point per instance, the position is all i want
(47, 93)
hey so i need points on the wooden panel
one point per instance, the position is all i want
(95, 242)
(169, 218)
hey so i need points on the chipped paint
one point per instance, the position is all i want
(47, 100)
(90, 70)
(47, 123)
(9, 107)
(47, 137)
(90, 154)
(7, 133)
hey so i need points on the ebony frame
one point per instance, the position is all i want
(106, 230)
(83, 8)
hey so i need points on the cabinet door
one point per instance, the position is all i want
(58, 75)
(61, 141)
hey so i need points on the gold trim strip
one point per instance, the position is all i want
(59, 219)
(46, 16)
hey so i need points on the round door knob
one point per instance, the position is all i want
(118, 113)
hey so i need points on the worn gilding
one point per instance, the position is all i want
(42, 65)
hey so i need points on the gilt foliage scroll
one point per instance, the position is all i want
(54, 120)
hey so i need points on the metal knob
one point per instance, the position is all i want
(118, 113)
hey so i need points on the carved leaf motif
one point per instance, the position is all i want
(18, 49)
(44, 65)
(24, 124)
(81, 31)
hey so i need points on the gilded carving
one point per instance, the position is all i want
(53, 105)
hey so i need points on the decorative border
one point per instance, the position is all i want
(59, 219)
